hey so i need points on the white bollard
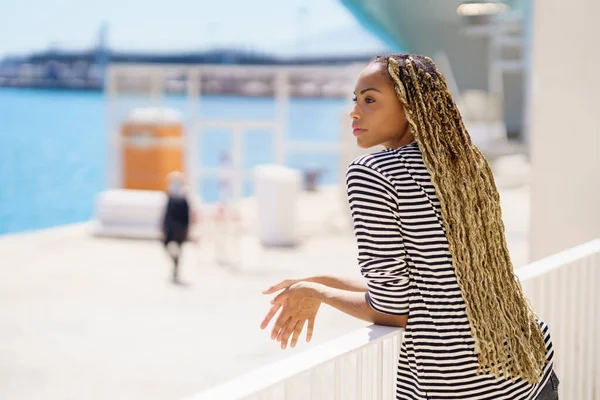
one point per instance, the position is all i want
(277, 189)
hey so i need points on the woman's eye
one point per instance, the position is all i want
(367, 99)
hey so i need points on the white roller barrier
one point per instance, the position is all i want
(129, 213)
(277, 189)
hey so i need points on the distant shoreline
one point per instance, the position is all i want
(84, 71)
(52, 87)
(307, 88)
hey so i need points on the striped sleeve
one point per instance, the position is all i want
(380, 249)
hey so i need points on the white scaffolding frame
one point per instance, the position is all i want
(154, 76)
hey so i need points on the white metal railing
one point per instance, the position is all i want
(362, 364)
(564, 292)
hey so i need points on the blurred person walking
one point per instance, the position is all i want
(176, 220)
(431, 247)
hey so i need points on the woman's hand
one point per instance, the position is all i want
(299, 302)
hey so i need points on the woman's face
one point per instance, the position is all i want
(378, 115)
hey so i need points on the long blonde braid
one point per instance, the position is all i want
(508, 339)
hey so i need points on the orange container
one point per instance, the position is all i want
(152, 147)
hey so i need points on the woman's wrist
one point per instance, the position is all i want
(313, 289)
(315, 283)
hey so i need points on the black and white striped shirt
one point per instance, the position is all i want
(403, 253)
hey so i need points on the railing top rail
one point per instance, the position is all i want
(547, 264)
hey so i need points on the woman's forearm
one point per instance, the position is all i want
(340, 282)
(356, 305)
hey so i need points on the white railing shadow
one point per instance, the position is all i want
(362, 364)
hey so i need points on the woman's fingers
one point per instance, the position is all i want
(284, 335)
(274, 288)
(270, 315)
(309, 330)
(280, 323)
(296, 333)
(280, 298)
(281, 285)
(285, 326)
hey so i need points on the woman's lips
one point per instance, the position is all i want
(357, 131)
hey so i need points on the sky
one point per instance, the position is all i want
(280, 26)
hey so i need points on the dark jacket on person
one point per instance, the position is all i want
(176, 220)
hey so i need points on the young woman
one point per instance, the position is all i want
(432, 248)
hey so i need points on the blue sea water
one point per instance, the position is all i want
(54, 148)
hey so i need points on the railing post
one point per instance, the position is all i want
(237, 162)
(359, 368)
(193, 129)
(379, 381)
(114, 135)
(337, 379)
(282, 100)
(589, 342)
(596, 326)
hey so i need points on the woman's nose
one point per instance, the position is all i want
(353, 113)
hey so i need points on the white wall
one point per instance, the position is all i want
(564, 124)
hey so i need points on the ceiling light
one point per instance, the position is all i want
(477, 9)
